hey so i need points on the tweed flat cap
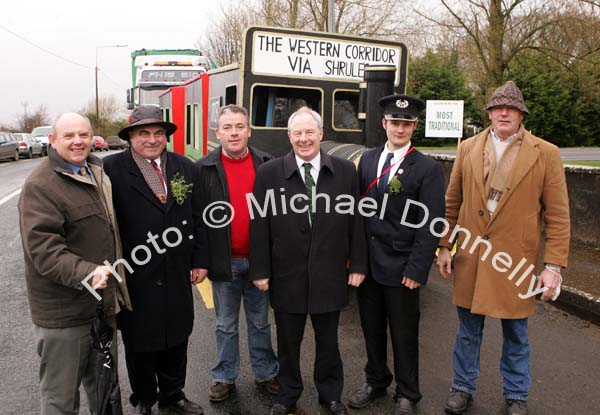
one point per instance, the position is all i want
(507, 95)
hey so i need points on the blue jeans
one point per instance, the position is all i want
(227, 297)
(514, 364)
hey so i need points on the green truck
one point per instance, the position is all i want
(153, 71)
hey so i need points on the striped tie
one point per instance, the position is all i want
(309, 183)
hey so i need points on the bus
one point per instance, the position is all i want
(282, 70)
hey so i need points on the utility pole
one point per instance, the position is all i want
(96, 78)
(331, 15)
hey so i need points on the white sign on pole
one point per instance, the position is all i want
(319, 57)
(444, 119)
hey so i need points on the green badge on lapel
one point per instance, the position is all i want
(180, 188)
(394, 186)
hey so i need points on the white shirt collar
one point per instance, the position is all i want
(316, 162)
(499, 140)
(398, 154)
(156, 160)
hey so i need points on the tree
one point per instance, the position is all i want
(495, 32)
(27, 120)
(110, 111)
(373, 18)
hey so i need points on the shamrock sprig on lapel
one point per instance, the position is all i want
(180, 188)
(394, 186)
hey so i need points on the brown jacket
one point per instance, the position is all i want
(67, 229)
(536, 190)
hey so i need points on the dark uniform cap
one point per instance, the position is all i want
(401, 107)
(146, 115)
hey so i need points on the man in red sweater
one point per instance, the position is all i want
(227, 175)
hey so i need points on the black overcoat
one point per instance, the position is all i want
(398, 248)
(307, 266)
(160, 290)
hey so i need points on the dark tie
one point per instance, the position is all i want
(309, 183)
(157, 170)
(385, 174)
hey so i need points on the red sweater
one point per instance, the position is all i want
(240, 179)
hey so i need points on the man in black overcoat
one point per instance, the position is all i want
(153, 204)
(307, 258)
(401, 250)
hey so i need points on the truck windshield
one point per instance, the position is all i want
(150, 95)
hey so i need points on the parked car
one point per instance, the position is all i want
(8, 146)
(30, 146)
(99, 144)
(42, 133)
(117, 143)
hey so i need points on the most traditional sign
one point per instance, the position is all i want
(286, 55)
(444, 119)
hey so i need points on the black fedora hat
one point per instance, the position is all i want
(146, 115)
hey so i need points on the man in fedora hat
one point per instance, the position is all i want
(151, 192)
(400, 256)
(504, 182)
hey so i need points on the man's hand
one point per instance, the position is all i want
(444, 263)
(355, 279)
(412, 284)
(100, 278)
(262, 284)
(549, 280)
(198, 275)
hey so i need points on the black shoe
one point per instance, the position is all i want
(335, 407)
(271, 386)
(279, 409)
(516, 407)
(181, 407)
(457, 401)
(365, 395)
(403, 407)
(219, 391)
(142, 409)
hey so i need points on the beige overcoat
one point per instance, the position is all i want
(493, 281)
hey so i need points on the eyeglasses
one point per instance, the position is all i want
(307, 133)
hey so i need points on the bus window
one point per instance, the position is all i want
(166, 114)
(231, 95)
(188, 124)
(345, 110)
(273, 105)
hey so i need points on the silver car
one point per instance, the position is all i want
(8, 146)
(30, 146)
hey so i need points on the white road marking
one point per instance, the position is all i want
(10, 196)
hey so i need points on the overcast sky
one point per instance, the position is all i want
(73, 30)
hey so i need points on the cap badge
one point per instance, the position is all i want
(402, 103)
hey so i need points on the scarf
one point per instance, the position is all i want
(496, 174)
(151, 176)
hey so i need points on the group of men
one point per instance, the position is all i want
(287, 247)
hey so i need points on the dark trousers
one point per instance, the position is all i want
(165, 369)
(328, 370)
(398, 306)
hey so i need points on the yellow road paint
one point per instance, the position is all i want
(205, 290)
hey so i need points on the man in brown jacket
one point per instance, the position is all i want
(504, 182)
(68, 230)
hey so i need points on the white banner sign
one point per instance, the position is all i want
(444, 119)
(322, 58)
